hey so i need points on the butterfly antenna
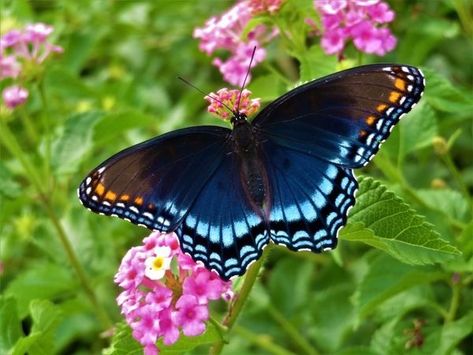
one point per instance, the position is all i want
(202, 92)
(246, 77)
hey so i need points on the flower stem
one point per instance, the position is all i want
(292, 331)
(455, 302)
(9, 141)
(240, 300)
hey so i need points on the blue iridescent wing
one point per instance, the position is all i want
(310, 198)
(344, 117)
(221, 228)
(154, 183)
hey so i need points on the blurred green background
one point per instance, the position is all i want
(116, 85)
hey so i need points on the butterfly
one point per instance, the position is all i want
(286, 177)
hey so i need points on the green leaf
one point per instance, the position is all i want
(452, 333)
(111, 125)
(8, 186)
(75, 140)
(394, 227)
(315, 64)
(40, 281)
(40, 341)
(387, 277)
(450, 202)
(443, 96)
(124, 343)
(10, 326)
(418, 129)
(267, 87)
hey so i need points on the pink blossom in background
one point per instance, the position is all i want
(29, 46)
(14, 96)
(362, 21)
(159, 301)
(262, 6)
(226, 32)
(225, 97)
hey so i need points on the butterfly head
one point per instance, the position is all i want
(238, 118)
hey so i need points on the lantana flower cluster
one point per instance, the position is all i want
(166, 292)
(226, 32)
(220, 102)
(359, 20)
(27, 47)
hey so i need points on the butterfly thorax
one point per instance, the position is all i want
(253, 175)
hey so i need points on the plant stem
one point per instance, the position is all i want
(292, 331)
(45, 116)
(455, 302)
(264, 342)
(10, 142)
(240, 300)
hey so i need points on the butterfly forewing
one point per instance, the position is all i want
(155, 183)
(343, 118)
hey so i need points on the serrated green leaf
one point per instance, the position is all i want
(75, 140)
(40, 281)
(10, 326)
(396, 228)
(387, 277)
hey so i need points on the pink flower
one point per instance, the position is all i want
(226, 99)
(262, 6)
(225, 32)
(37, 32)
(333, 41)
(9, 67)
(203, 286)
(14, 96)
(159, 304)
(357, 20)
(191, 316)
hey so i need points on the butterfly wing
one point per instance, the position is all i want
(221, 228)
(310, 198)
(155, 183)
(343, 118)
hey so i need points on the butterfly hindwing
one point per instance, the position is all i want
(310, 198)
(155, 183)
(343, 118)
(221, 229)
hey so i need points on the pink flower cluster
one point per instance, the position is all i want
(226, 32)
(23, 47)
(359, 20)
(224, 99)
(165, 291)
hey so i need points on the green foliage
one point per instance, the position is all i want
(400, 280)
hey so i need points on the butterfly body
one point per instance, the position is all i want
(285, 177)
(253, 175)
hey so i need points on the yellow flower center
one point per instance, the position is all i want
(158, 262)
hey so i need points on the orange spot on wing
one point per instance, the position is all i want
(400, 84)
(381, 107)
(362, 133)
(111, 196)
(139, 201)
(394, 96)
(370, 120)
(124, 197)
(151, 206)
(99, 189)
